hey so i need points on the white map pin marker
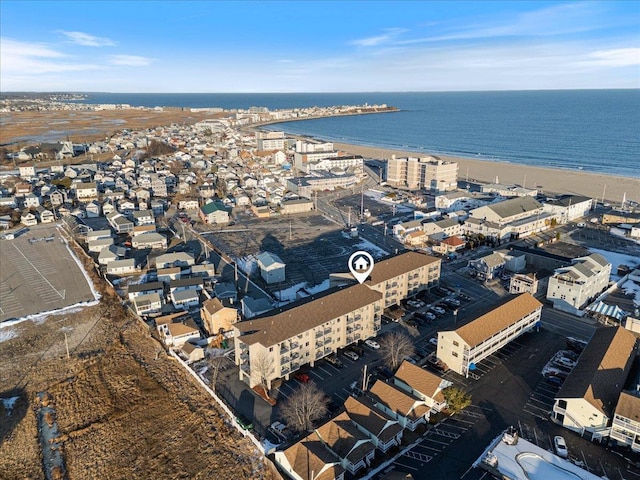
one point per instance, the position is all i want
(360, 265)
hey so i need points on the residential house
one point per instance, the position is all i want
(147, 303)
(177, 259)
(521, 283)
(217, 316)
(31, 201)
(587, 400)
(144, 217)
(189, 204)
(177, 334)
(45, 216)
(185, 299)
(144, 289)
(450, 245)
(346, 441)
(461, 349)
(568, 208)
(306, 331)
(97, 234)
(119, 222)
(93, 209)
(192, 352)
(121, 267)
(572, 288)
(214, 213)
(86, 191)
(422, 384)
(625, 428)
(383, 431)
(487, 267)
(149, 240)
(408, 410)
(165, 275)
(97, 245)
(272, 269)
(310, 459)
(27, 171)
(28, 219)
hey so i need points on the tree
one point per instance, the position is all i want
(394, 347)
(262, 370)
(305, 405)
(557, 235)
(456, 398)
(214, 367)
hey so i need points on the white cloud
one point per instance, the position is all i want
(616, 57)
(389, 35)
(130, 60)
(19, 58)
(86, 40)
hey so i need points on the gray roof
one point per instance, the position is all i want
(145, 287)
(446, 223)
(515, 206)
(267, 259)
(493, 260)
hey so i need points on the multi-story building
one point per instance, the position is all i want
(625, 428)
(429, 173)
(571, 288)
(404, 276)
(523, 282)
(305, 186)
(461, 349)
(587, 399)
(270, 140)
(569, 207)
(276, 345)
(302, 160)
(310, 459)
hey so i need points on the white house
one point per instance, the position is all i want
(571, 288)
(587, 399)
(625, 428)
(408, 410)
(272, 269)
(98, 244)
(569, 207)
(86, 191)
(422, 384)
(28, 219)
(122, 267)
(149, 240)
(147, 303)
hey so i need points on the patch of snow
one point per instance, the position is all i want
(9, 403)
(374, 250)
(289, 294)
(321, 287)
(616, 259)
(42, 316)
(7, 334)
(633, 289)
(96, 295)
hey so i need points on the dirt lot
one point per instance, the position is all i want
(124, 409)
(82, 126)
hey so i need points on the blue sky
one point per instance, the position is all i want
(305, 46)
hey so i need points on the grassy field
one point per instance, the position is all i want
(124, 409)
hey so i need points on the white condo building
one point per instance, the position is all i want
(465, 346)
(428, 173)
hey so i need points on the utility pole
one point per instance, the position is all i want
(604, 190)
(66, 344)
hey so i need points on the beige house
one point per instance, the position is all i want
(587, 400)
(422, 384)
(625, 428)
(408, 410)
(215, 316)
(310, 459)
(382, 429)
(468, 345)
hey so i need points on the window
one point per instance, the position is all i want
(271, 349)
(562, 404)
(456, 343)
(455, 354)
(306, 344)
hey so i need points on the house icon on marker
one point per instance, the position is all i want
(361, 264)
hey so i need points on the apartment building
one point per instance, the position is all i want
(428, 173)
(270, 140)
(572, 287)
(301, 160)
(625, 428)
(276, 345)
(461, 349)
(404, 276)
(587, 400)
(320, 181)
(569, 207)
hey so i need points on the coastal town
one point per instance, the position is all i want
(496, 320)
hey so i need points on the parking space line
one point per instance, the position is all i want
(461, 427)
(437, 450)
(404, 466)
(324, 370)
(464, 421)
(436, 441)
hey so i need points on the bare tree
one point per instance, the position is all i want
(305, 405)
(262, 369)
(394, 347)
(214, 366)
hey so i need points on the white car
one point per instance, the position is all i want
(433, 341)
(581, 225)
(351, 355)
(372, 344)
(561, 446)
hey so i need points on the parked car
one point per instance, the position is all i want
(244, 422)
(351, 355)
(575, 345)
(433, 341)
(357, 349)
(333, 360)
(439, 310)
(279, 429)
(372, 344)
(302, 377)
(560, 446)
(557, 381)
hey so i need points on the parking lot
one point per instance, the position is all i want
(39, 274)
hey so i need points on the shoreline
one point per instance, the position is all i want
(551, 180)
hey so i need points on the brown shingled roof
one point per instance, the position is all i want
(420, 380)
(398, 400)
(478, 330)
(629, 407)
(378, 423)
(273, 329)
(602, 369)
(309, 456)
(342, 436)
(394, 266)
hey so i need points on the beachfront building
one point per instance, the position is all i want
(587, 400)
(523, 282)
(625, 428)
(404, 276)
(276, 345)
(509, 219)
(318, 182)
(573, 287)
(429, 173)
(270, 141)
(508, 190)
(567, 208)
(301, 160)
(461, 349)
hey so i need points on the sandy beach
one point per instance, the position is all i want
(551, 180)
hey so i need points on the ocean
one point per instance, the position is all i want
(589, 130)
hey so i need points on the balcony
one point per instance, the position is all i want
(294, 345)
(294, 366)
(319, 344)
(350, 339)
(284, 371)
(284, 360)
(328, 340)
(319, 354)
(327, 351)
(283, 349)
(358, 318)
(327, 331)
(295, 355)
(319, 334)
(350, 320)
